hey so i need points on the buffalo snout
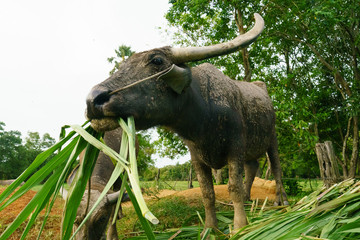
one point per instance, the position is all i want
(95, 102)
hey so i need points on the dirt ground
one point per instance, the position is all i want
(52, 227)
(261, 189)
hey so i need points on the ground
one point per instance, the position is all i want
(52, 227)
(261, 189)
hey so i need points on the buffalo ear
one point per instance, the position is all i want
(178, 78)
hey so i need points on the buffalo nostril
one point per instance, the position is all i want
(102, 98)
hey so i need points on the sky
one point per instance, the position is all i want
(53, 52)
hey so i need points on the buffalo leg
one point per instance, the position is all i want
(281, 198)
(204, 176)
(112, 232)
(237, 193)
(251, 168)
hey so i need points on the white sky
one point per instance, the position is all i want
(53, 52)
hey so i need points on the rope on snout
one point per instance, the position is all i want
(159, 74)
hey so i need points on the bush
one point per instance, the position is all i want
(292, 187)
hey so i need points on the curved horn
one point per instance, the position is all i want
(190, 54)
(113, 197)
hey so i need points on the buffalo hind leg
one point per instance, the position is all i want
(251, 168)
(281, 198)
(204, 176)
(237, 193)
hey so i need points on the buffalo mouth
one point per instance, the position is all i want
(104, 124)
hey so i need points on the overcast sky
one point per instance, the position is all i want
(53, 52)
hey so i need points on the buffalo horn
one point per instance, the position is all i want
(190, 54)
(113, 197)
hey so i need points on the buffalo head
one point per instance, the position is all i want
(150, 85)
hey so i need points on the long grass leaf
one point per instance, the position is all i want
(99, 145)
(144, 223)
(77, 189)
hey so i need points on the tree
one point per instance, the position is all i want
(308, 55)
(15, 156)
(34, 145)
(169, 144)
(145, 152)
(122, 53)
(329, 32)
(11, 161)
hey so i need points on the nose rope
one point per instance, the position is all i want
(144, 79)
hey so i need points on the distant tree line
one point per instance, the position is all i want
(17, 154)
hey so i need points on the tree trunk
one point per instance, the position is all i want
(329, 170)
(217, 175)
(157, 179)
(244, 51)
(355, 150)
(190, 185)
(345, 162)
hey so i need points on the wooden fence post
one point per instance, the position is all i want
(329, 169)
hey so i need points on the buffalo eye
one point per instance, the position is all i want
(157, 61)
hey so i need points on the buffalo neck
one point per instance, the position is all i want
(192, 118)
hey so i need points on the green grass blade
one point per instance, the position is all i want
(145, 224)
(99, 145)
(65, 172)
(77, 189)
(114, 176)
(123, 152)
(118, 203)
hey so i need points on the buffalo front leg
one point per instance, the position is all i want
(251, 168)
(281, 198)
(204, 176)
(237, 193)
(112, 232)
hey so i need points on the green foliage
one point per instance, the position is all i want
(15, 156)
(169, 144)
(11, 150)
(122, 53)
(146, 150)
(292, 186)
(178, 172)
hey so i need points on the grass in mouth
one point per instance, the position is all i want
(60, 158)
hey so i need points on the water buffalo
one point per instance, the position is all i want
(95, 227)
(222, 121)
